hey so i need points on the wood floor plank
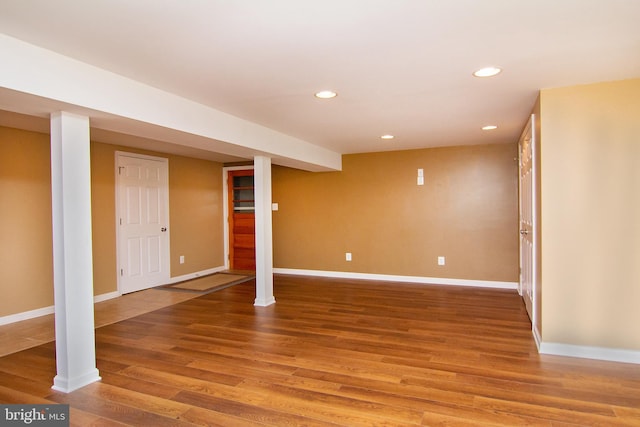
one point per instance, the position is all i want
(205, 417)
(139, 385)
(552, 414)
(218, 377)
(25, 385)
(144, 401)
(333, 406)
(121, 413)
(251, 413)
(330, 352)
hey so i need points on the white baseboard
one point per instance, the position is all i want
(587, 352)
(32, 314)
(537, 337)
(26, 315)
(195, 275)
(393, 278)
(107, 296)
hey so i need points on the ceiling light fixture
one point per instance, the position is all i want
(487, 72)
(326, 94)
(489, 127)
(387, 136)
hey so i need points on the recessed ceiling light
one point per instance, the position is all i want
(489, 127)
(387, 136)
(487, 72)
(326, 94)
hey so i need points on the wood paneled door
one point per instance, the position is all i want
(242, 236)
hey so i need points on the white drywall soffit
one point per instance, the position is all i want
(48, 75)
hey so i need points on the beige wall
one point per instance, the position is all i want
(103, 207)
(590, 172)
(26, 261)
(196, 210)
(467, 211)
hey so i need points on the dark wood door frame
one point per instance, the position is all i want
(241, 219)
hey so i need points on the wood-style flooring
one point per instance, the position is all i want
(33, 332)
(332, 352)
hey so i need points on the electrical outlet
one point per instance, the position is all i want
(347, 256)
(440, 260)
(181, 259)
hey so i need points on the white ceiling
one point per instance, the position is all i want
(399, 66)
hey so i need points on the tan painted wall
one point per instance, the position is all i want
(467, 211)
(590, 157)
(196, 210)
(103, 207)
(26, 260)
(26, 257)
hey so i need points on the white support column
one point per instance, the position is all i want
(72, 252)
(264, 235)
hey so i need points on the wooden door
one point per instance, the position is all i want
(242, 235)
(143, 205)
(527, 181)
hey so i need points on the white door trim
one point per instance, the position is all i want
(225, 206)
(165, 161)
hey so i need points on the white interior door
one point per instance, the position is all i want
(527, 216)
(142, 221)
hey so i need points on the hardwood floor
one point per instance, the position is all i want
(332, 352)
(33, 332)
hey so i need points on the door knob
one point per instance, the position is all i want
(163, 229)
(524, 232)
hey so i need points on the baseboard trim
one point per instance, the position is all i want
(394, 278)
(67, 385)
(44, 311)
(587, 352)
(107, 296)
(264, 302)
(195, 275)
(537, 338)
(26, 315)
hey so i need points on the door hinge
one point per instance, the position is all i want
(120, 170)
(120, 221)
(121, 272)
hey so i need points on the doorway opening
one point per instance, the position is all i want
(241, 219)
